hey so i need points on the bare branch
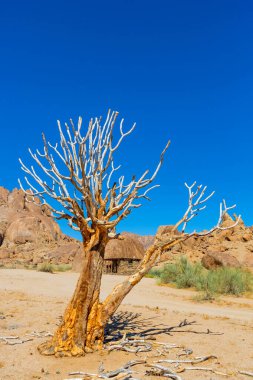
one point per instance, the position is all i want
(80, 171)
(196, 204)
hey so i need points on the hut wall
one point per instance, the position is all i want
(118, 266)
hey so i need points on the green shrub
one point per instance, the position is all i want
(62, 267)
(184, 274)
(154, 273)
(229, 281)
(46, 267)
(51, 268)
(205, 296)
(30, 266)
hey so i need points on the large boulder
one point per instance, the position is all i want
(22, 230)
(32, 229)
(213, 260)
(65, 253)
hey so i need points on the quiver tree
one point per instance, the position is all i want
(85, 190)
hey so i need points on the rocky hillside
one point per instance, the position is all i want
(232, 247)
(29, 235)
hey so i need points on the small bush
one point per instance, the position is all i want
(46, 267)
(205, 296)
(229, 281)
(62, 267)
(51, 268)
(30, 266)
(184, 274)
(154, 273)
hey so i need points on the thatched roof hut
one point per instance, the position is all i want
(121, 255)
(127, 248)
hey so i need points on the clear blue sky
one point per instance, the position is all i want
(181, 69)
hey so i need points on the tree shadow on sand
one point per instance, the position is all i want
(133, 325)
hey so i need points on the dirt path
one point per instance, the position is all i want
(33, 302)
(146, 293)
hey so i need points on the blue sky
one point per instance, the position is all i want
(181, 69)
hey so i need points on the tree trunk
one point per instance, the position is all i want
(85, 318)
(82, 329)
(113, 301)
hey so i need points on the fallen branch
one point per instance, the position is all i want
(186, 352)
(159, 370)
(204, 369)
(21, 341)
(246, 373)
(9, 337)
(40, 334)
(95, 377)
(164, 349)
(190, 361)
(12, 340)
(111, 374)
(124, 368)
(167, 345)
(134, 346)
(197, 369)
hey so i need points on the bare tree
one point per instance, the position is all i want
(93, 200)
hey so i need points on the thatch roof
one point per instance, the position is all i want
(127, 248)
(145, 240)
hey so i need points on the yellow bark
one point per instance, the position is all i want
(82, 329)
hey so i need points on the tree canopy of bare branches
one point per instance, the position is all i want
(83, 182)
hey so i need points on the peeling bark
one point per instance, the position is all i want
(82, 329)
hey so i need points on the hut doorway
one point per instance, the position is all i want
(115, 264)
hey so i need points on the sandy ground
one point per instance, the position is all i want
(33, 301)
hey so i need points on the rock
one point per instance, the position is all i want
(3, 195)
(22, 230)
(16, 200)
(28, 233)
(247, 236)
(248, 260)
(65, 253)
(167, 230)
(191, 242)
(212, 260)
(5, 254)
(225, 235)
(235, 244)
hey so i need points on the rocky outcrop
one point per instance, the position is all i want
(232, 247)
(29, 235)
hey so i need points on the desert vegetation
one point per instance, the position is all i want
(184, 274)
(51, 268)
